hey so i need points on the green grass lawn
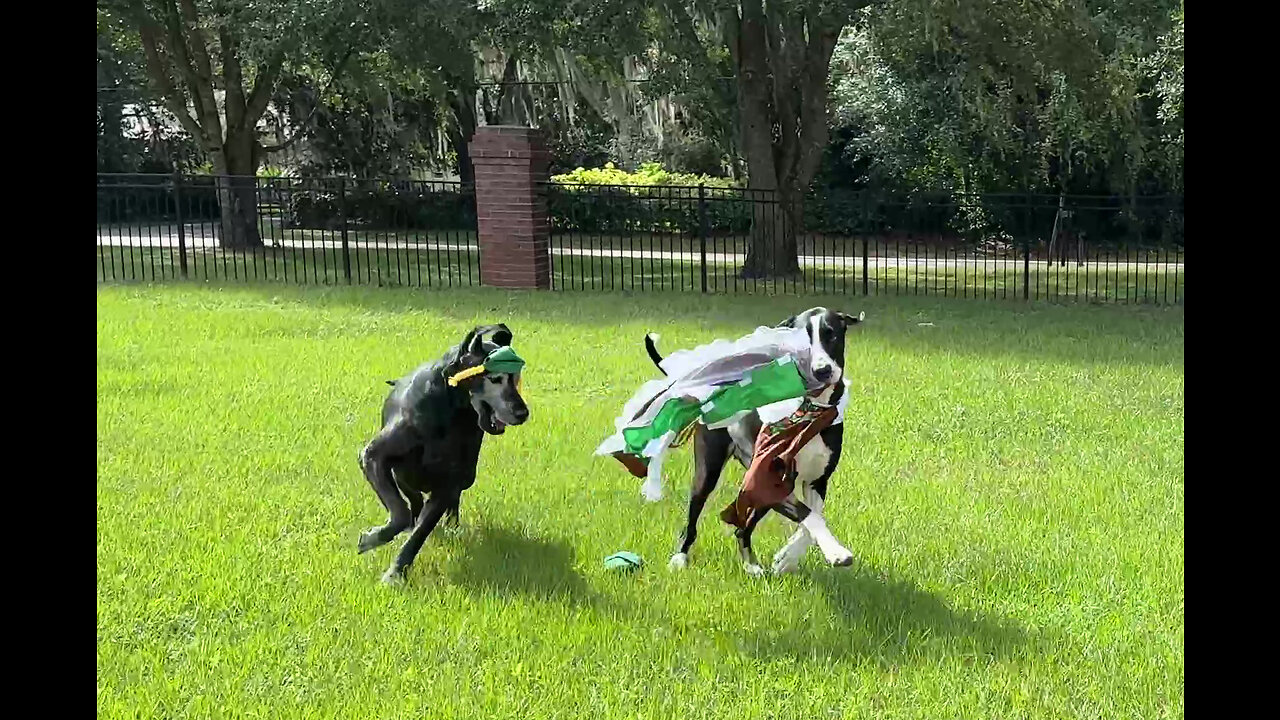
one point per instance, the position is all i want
(1012, 490)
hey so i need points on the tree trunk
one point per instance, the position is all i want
(236, 168)
(511, 97)
(180, 63)
(463, 103)
(782, 60)
(767, 254)
(775, 224)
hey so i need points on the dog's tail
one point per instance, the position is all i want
(650, 344)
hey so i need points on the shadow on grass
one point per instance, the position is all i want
(497, 562)
(888, 620)
(885, 620)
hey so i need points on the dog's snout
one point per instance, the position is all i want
(521, 413)
(823, 373)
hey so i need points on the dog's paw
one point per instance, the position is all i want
(784, 563)
(393, 576)
(679, 561)
(842, 558)
(753, 570)
(369, 540)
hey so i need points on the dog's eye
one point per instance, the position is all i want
(495, 379)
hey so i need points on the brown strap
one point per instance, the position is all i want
(633, 464)
(763, 480)
(815, 426)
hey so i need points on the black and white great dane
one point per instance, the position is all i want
(815, 462)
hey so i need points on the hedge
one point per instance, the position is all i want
(385, 206)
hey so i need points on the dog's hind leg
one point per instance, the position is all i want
(452, 512)
(711, 450)
(407, 472)
(743, 535)
(415, 503)
(375, 460)
(816, 526)
(431, 513)
(788, 558)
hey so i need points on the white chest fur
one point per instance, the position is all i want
(811, 462)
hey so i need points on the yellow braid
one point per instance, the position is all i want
(469, 372)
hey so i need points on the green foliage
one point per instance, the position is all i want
(959, 97)
(994, 96)
(366, 125)
(648, 174)
(122, 96)
(585, 141)
(1165, 69)
(651, 199)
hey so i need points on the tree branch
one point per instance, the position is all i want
(201, 90)
(823, 34)
(199, 45)
(786, 59)
(264, 85)
(174, 98)
(732, 28)
(177, 48)
(234, 80)
(261, 96)
(510, 76)
(682, 23)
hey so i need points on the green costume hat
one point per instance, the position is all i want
(503, 360)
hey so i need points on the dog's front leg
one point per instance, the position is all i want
(431, 514)
(816, 525)
(394, 439)
(743, 534)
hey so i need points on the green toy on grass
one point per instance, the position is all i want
(623, 561)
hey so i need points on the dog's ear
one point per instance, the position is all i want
(483, 335)
(463, 354)
(852, 320)
(474, 344)
(502, 335)
(465, 345)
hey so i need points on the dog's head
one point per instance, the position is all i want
(494, 396)
(827, 330)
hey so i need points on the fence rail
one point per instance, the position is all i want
(698, 239)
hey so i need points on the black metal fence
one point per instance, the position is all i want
(326, 230)
(423, 233)
(1036, 247)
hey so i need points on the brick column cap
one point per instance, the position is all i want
(508, 142)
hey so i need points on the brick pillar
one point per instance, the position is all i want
(511, 206)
